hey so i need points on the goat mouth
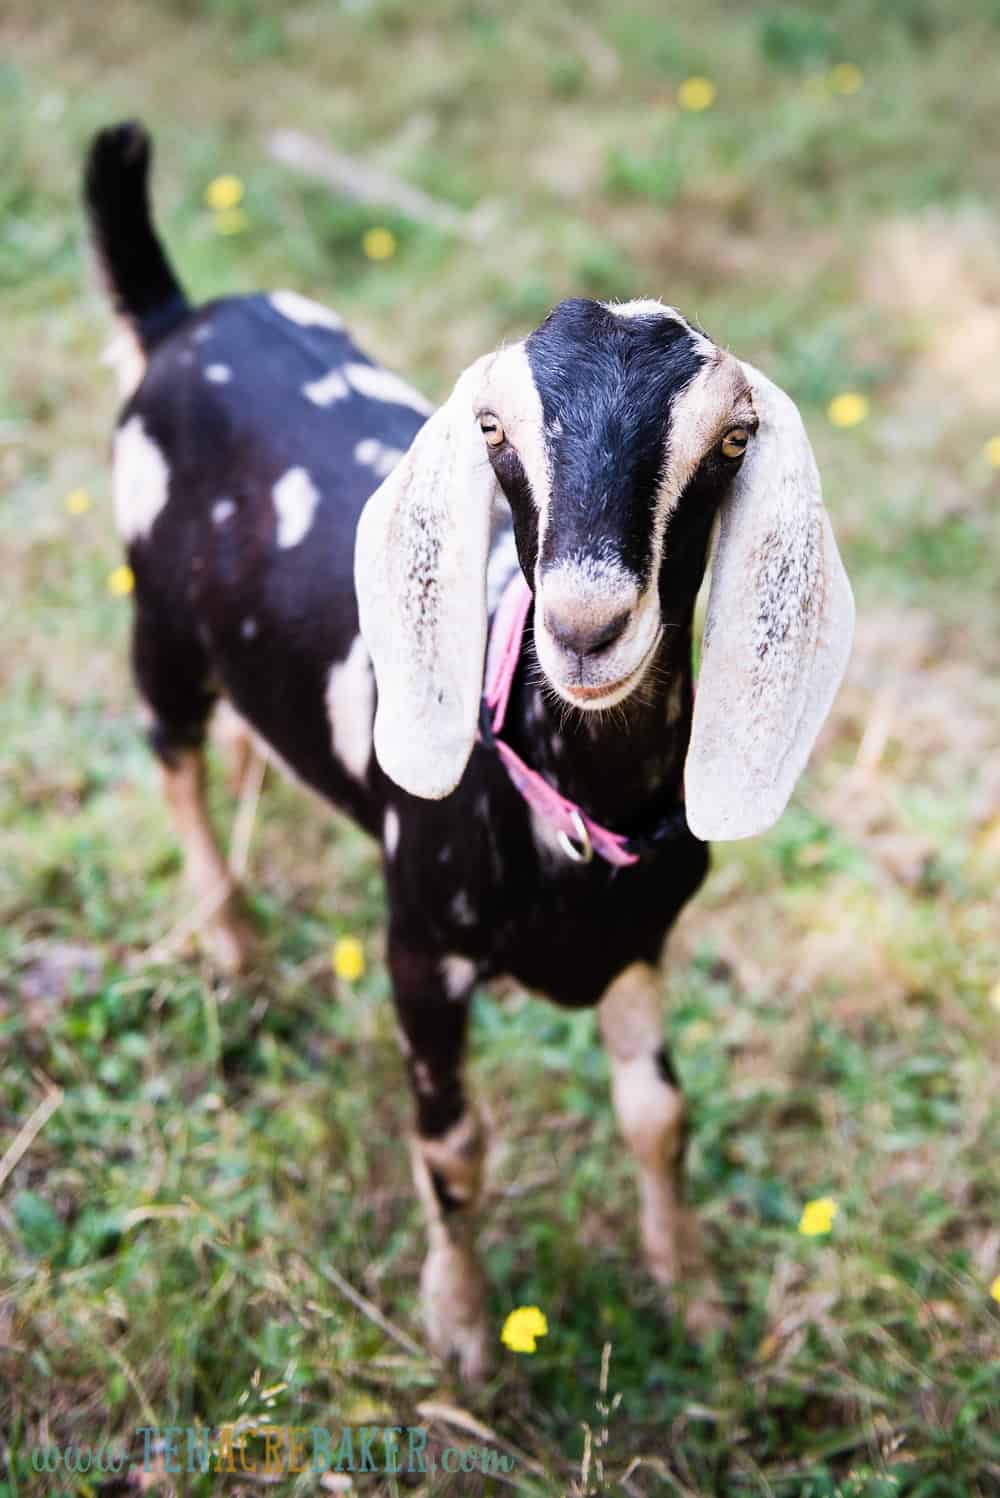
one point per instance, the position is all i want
(609, 693)
(595, 694)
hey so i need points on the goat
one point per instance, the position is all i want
(311, 542)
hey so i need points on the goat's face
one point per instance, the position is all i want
(617, 434)
(598, 428)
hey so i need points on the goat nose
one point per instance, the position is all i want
(583, 634)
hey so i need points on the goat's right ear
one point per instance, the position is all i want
(777, 632)
(420, 575)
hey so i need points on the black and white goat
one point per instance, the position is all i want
(314, 544)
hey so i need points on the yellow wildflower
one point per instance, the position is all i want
(817, 1216)
(348, 958)
(230, 221)
(379, 243)
(121, 581)
(224, 192)
(846, 78)
(848, 409)
(995, 1290)
(696, 94)
(522, 1327)
(992, 451)
(77, 502)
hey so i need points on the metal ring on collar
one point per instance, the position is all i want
(582, 850)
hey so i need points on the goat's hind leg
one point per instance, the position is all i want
(172, 675)
(650, 1109)
(432, 1000)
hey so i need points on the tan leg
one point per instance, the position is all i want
(650, 1113)
(447, 1172)
(225, 933)
(235, 743)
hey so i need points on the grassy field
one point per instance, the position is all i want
(219, 1154)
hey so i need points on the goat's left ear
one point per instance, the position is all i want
(777, 633)
(420, 576)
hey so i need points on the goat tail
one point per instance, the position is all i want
(143, 288)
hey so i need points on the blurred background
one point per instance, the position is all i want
(186, 1167)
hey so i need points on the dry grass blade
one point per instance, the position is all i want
(367, 1308)
(246, 815)
(187, 926)
(364, 182)
(28, 1132)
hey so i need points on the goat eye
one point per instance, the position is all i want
(734, 443)
(491, 429)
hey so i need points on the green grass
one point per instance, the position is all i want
(218, 1147)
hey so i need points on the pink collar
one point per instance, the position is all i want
(579, 835)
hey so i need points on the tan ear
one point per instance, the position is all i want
(777, 633)
(420, 575)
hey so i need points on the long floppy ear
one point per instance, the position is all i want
(777, 633)
(420, 575)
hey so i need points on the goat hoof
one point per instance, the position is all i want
(703, 1311)
(228, 939)
(453, 1292)
(675, 1265)
(470, 1348)
(696, 1301)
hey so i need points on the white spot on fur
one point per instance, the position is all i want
(457, 1155)
(223, 510)
(403, 1042)
(248, 629)
(461, 909)
(390, 831)
(382, 385)
(350, 706)
(202, 334)
(458, 974)
(140, 480)
(302, 310)
(642, 307)
(295, 499)
(323, 392)
(219, 374)
(377, 456)
(423, 1079)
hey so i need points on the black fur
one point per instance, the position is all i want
(144, 289)
(606, 385)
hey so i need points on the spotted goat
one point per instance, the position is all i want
(316, 546)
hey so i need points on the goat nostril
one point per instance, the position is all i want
(586, 639)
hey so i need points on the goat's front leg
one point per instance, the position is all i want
(432, 1004)
(650, 1109)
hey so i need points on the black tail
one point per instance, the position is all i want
(144, 289)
